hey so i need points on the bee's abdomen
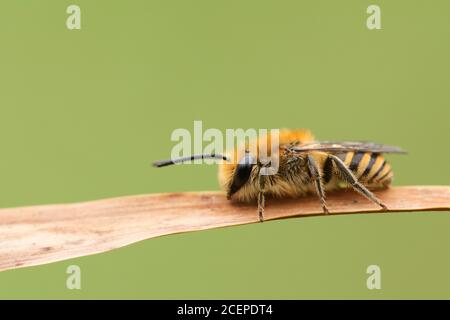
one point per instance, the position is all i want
(370, 168)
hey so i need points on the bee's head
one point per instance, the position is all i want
(232, 176)
(239, 175)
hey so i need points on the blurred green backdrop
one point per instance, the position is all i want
(83, 114)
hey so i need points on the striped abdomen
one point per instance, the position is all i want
(371, 169)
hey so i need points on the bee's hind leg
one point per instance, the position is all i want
(316, 177)
(350, 178)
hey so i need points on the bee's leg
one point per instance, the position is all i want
(261, 197)
(350, 178)
(316, 176)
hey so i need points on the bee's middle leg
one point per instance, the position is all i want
(316, 176)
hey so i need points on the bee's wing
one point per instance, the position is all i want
(346, 146)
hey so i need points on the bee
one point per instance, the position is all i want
(305, 166)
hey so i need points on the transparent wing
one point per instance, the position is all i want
(345, 146)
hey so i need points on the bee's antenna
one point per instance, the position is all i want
(164, 163)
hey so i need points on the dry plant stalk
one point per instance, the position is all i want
(48, 233)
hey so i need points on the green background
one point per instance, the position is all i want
(83, 114)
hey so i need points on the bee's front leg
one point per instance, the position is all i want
(261, 197)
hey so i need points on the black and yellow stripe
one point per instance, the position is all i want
(369, 168)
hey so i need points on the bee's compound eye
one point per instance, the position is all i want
(241, 174)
